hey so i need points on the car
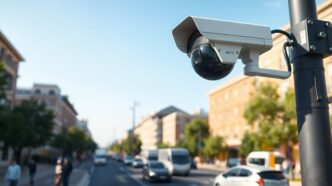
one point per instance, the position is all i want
(156, 171)
(100, 160)
(137, 163)
(128, 160)
(232, 162)
(251, 176)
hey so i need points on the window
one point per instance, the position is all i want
(51, 92)
(37, 91)
(232, 173)
(244, 173)
(272, 175)
(257, 161)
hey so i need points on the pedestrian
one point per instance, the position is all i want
(32, 166)
(13, 173)
(67, 169)
(58, 173)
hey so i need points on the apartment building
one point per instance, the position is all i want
(10, 59)
(173, 127)
(150, 128)
(64, 111)
(228, 101)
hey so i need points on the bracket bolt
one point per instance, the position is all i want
(330, 49)
(321, 35)
(310, 22)
(312, 47)
(327, 24)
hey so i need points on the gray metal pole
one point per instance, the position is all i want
(312, 106)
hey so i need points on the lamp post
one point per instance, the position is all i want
(311, 98)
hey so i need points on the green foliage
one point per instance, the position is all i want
(194, 136)
(37, 123)
(274, 118)
(214, 145)
(74, 139)
(163, 146)
(250, 142)
(128, 146)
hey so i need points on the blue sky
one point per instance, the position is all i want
(106, 54)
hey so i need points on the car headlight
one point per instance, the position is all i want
(151, 173)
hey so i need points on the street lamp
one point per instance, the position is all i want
(214, 47)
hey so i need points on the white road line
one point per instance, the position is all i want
(136, 180)
(92, 169)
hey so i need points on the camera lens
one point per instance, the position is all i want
(207, 64)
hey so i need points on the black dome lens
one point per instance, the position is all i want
(207, 64)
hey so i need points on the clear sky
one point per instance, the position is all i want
(106, 54)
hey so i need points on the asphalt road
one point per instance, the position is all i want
(117, 174)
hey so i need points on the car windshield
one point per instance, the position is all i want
(100, 156)
(233, 160)
(138, 160)
(180, 159)
(129, 158)
(157, 165)
(153, 158)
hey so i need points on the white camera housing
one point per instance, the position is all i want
(230, 41)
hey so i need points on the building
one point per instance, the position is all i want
(150, 128)
(10, 59)
(173, 127)
(64, 112)
(228, 101)
(83, 124)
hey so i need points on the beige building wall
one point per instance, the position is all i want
(150, 132)
(10, 59)
(227, 102)
(173, 127)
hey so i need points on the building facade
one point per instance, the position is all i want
(173, 127)
(150, 128)
(64, 112)
(10, 59)
(227, 102)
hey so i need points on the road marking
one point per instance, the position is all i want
(92, 169)
(136, 180)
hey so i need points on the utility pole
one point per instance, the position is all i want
(311, 96)
(132, 136)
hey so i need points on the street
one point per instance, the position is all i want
(115, 173)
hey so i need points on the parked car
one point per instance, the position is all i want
(137, 163)
(251, 176)
(232, 162)
(128, 160)
(156, 171)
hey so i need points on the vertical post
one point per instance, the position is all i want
(132, 135)
(311, 106)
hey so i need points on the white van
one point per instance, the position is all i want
(149, 155)
(266, 159)
(176, 160)
(100, 157)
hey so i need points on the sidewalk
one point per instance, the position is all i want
(220, 168)
(45, 173)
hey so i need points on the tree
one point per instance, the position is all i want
(273, 117)
(31, 125)
(72, 140)
(194, 135)
(214, 145)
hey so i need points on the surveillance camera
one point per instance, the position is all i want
(214, 46)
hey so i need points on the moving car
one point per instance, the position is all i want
(100, 157)
(156, 171)
(177, 160)
(137, 163)
(266, 159)
(251, 176)
(128, 160)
